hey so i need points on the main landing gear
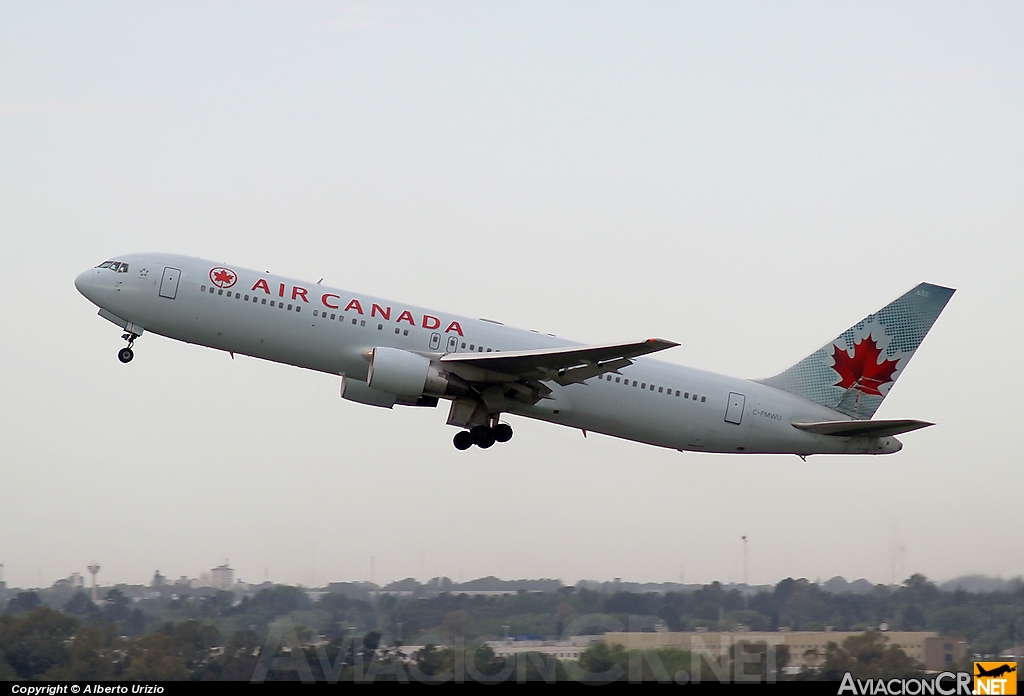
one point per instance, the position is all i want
(482, 436)
(126, 354)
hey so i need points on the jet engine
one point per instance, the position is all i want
(408, 374)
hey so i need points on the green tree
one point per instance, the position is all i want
(38, 642)
(600, 661)
(458, 624)
(24, 602)
(81, 605)
(92, 655)
(115, 606)
(868, 656)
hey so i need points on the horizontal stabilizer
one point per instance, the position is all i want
(862, 428)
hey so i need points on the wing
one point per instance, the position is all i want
(863, 428)
(496, 382)
(564, 366)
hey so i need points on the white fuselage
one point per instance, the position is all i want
(331, 330)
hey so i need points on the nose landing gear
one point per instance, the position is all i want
(126, 354)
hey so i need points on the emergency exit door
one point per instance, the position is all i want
(169, 283)
(734, 411)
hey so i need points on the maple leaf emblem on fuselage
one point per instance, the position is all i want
(863, 372)
(223, 277)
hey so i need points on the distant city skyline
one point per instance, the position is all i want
(207, 579)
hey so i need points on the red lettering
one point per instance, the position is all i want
(280, 292)
(354, 304)
(430, 322)
(328, 304)
(406, 316)
(262, 285)
(454, 326)
(299, 292)
(376, 307)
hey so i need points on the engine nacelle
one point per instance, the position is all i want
(407, 374)
(362, 393)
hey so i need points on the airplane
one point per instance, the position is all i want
(390, 354)
(995, 671)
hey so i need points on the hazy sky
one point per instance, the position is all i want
(748, 179)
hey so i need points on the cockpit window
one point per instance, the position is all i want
(115, 266)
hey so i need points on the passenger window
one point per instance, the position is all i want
(396, 331)
(202, 288)
(463, 345)
(480, 349)
(289, 308)
(488, 350)
(220, 292)
(686, 395)
(264, 301)
(677, 392)
(238, 295)
(246, 298)
(694, 397)
(703, 399)
(643, 385)
(661, 389)
(472, 346)
(634, 382)
(314, 313)
(298, 308)
(380, 327)
(406, 332)
(617, 380)
(353, 322)
(652, 387)
(211, 289)
(362, 322)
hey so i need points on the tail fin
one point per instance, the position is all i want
(855, 372)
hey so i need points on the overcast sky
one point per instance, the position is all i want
(747, 179)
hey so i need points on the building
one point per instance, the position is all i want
(566, 650)
(806, 648)
(222, 577)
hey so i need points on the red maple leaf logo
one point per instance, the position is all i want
(863, 372)
(222, 277)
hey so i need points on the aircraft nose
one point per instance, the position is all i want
(86, 283)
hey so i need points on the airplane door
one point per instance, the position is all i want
(435, 341)
(169, 283)
(734, 411)
(453, 344)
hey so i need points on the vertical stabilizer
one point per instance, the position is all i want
(855, 372)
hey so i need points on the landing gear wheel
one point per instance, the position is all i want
(125, 355)
(502, 432)
(462, 440)
(482, 436)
